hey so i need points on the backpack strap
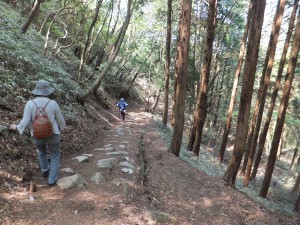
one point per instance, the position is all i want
(40, 107)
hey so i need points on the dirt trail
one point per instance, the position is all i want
(173, 192)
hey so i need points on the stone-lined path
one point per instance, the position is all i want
(113, 154)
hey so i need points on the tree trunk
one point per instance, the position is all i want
(282, 110)
(296, 185)
(247, 89)
(21, 9)
(295, 161)
(235, 85)
(174, 101)
(101, 76)
(50, 14)
(33, 13)
(219, 96)
(167, 65)
(202, 98)
(87, 40)
(132, 82)
(261, 98)
(297, 205)
(263, 135)
(181, 71)
(156, 100)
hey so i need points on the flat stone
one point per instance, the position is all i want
(122, 146)
(110, 149)
(117, 153)
(67, 170)
(99, 149)
(161, 217)
(122, 181)
(107, 163)
(127, 170)
(71, 181)
(98, 178)
(127, 164)
(82, 158)
(108, 145)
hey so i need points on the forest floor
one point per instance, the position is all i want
(163, 189)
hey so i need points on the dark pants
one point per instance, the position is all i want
(123, 114)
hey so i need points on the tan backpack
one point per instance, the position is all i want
(42, 126)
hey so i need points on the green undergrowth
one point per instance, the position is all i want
(22, 62)
(279, 199)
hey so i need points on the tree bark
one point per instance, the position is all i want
(87, 40)
(202, 98)
(296, 185)
(21, 8)
(282, 110)
(181, 71)
(33, 13)
(261, 97)
(263, 135)
(235, 85)
(247, 90)
(297, 205)
(167, 65)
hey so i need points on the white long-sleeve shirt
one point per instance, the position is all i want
(53, 111)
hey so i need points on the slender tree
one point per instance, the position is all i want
(297, 205)
(88, 36)
(33, 13)
(261, 99)
(167, 64)
(181, 71)
(235, 85)
(282, 110)
(247, 90)
(205, 72)
(263, 135)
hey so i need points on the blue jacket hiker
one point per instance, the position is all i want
(122, 104)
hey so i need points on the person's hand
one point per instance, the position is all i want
(13, 126)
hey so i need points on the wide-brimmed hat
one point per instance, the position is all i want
(42, 88)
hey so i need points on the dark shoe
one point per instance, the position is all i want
(52, 184)
(46, 173)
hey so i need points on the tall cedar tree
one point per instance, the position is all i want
(282, 110)
(261, 99)
(205, 72)
(263, 135)
(268, 58)
(235, 85)
(247, 90)
(167, 65)
(181, 71)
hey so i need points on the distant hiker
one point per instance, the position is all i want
(122, 107)
(51, 108)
